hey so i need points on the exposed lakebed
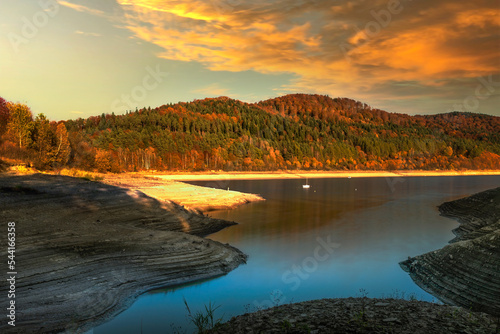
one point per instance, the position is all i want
(329, 241)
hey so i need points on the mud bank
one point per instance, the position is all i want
(86, 250)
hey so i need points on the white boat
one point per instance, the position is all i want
(306, 186)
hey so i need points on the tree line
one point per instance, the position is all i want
(297, 131)
(37, 141)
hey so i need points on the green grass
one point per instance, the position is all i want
(204, 320)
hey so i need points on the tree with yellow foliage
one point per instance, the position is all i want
(63, 148)
(43, 142)
(4, 117)
(103, 161)
(20, 125)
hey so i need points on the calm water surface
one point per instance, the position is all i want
(331, 240)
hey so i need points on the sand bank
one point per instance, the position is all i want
(206, 176)
(203, 199)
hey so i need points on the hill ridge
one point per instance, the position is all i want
(295, 131)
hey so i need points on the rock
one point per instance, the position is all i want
(467, 271)
(76, 273)
(329, 316)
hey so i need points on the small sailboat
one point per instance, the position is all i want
(306, 186)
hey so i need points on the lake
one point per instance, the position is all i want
(339, 238)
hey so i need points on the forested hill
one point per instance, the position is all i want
(290, 132)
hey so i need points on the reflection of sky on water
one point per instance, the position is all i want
(374, 224)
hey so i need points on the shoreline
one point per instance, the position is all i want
(86, 250)
(110, 245)
(360, 315)
(462, 274)
(192, 197)
(253, 175)
(219, 175)
(465, 272)
(200, 199)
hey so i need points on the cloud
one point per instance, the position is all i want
(343, 48)
(213, 90)
(222, 38)
(83, 33)
(430, 48)
(81, 8)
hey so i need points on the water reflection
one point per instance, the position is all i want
(369, 224)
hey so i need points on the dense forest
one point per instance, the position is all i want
(291, 132)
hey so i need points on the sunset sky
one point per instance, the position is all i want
(70, 59)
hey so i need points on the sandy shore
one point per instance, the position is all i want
(206, 176)
(198, 198)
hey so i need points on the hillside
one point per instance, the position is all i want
(296, 131)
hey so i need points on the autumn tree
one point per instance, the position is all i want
(4, 116)
(293, 131)
(448, 151)
(63, 148)
(43, 142)
(103, 161)
(20, 125)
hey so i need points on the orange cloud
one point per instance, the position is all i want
(191, 10)
(223, 44)
(444, 49)
(479, 18)
(328, 48)
(213, 90)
